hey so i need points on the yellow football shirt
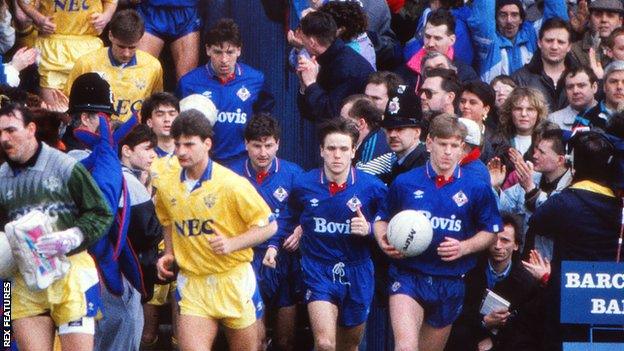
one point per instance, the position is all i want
(130, 83)
(220, 199)
(161, 166)
(73, 17)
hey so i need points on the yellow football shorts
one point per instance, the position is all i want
(74, 296)
(226, 297)
(58, 54)
(162, 293)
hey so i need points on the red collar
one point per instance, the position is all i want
(261, 176)
(335, 187)
(440, 181)
(473, 155)
(227, 79)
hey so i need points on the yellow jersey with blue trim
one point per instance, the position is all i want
(73, 17)
(219, 201)
(130, 83)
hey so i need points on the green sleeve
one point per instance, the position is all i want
(94, 217)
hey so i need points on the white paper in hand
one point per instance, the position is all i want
(37, 270)
(493, 302)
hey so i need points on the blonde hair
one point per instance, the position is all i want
(536, 99)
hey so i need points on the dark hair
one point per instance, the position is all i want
(340, 126)
(365, 108)
(442, 17)
(349, 16)
(351, 99)
(610, 40)
(155, 100)
(191, 123)
(555, 23)
(9, 109)
(390, 79)
(450, 82)
(138, 135)
(225, 30)
(572, 72)
(447, 126)
(483, 91)
(555, 136)
(319, 25)
(262, 125)
(127, 26)
(513, 220)
(615, 126)
(504, 79)
(593, 157)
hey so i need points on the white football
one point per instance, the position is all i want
(202, 104)
(7, 262)
(410, 232)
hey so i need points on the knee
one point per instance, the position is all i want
(325, 344)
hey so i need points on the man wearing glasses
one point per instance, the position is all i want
(439, 91)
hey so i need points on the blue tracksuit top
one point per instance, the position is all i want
(498, 55)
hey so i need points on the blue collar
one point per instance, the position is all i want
(350, 177)
(251, 172)
(161, 153)
(115, 63)
(431, 173)
(493, 277)
(207, 175)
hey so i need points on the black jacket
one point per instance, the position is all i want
(518, 288)
(343, 73)
(415, 159)
(532, 75)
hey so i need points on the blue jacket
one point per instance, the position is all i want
(343, 73)
(498, 55)
(113, 254)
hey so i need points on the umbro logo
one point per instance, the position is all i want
(314, 202)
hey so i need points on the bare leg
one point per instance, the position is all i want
(196, 333)
(151, 44)
(323, 317)
(285, 328)
(433, 339)
(185, 52)
(242, 339)
(25, 328)
(348, 339)
(406, 316)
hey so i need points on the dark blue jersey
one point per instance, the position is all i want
(236, 101)
(326, 218)
(458, 209)
(275, 188)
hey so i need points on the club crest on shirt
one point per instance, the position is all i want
(395, 286)
(354, 203)
(140, 83)
(210, 200)
(460, 198)
(280, 194)
(173, 201)
(243, 93)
